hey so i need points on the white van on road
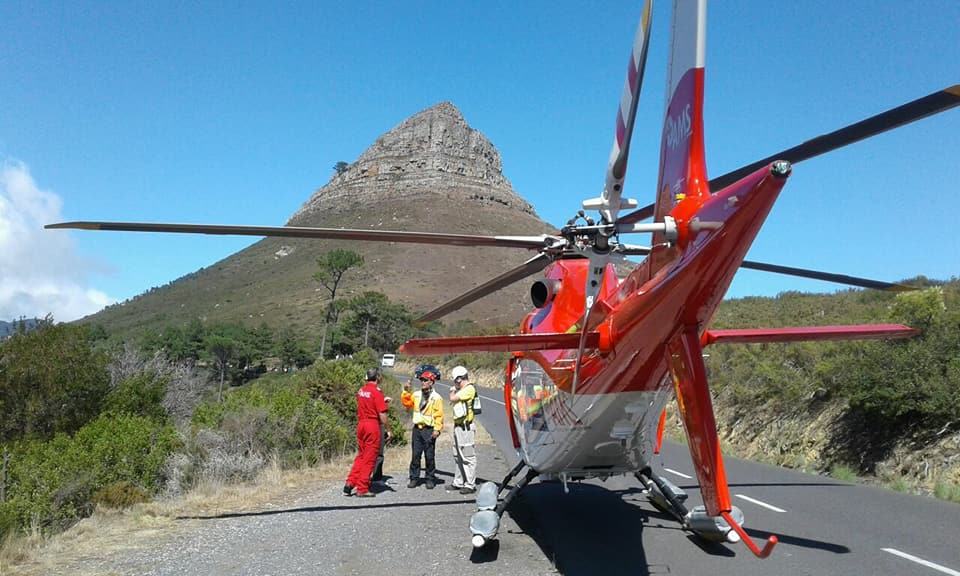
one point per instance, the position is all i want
(388, 360)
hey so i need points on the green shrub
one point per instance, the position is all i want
(51, 380)
(139, 395)
(52, 483)
(282, 416)
(899, 485)
(334, 383)
(947, 491)
(844, 473)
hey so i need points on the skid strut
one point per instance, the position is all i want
(664, 494)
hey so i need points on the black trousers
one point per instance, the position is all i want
(377, 473)
(426, 445)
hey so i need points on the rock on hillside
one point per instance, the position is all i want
(432, 172)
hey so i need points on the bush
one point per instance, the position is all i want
(139, 395)
(277, 416)
(334, 383)
(121, 494)
(302, 418)
(51, 381)
(53, 483)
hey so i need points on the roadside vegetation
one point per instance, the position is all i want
(892, 388)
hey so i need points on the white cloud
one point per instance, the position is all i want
(41, 271)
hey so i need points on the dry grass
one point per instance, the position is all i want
(79, 550)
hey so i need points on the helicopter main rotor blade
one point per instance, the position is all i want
(628, 250)
(920, 108)
(610, 202)
(827, 276)
(528, 242)
(531, 266)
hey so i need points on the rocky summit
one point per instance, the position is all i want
(431, 173)
(433, 155)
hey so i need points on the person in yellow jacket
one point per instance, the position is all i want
(462, 396)
(427, 408)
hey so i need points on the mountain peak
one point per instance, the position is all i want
(446, 109)
(433, 153)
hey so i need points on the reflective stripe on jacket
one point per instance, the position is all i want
(432, 414)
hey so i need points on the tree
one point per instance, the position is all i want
(291, 351)
(340, 167)
(178, 342)
(378, 323)
(51, 380)
(222, 349)
(262, 340)
(333, 265)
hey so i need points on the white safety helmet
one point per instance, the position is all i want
(458, 372)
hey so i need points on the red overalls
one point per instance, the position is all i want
(370, 404)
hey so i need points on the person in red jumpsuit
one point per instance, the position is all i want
(371, 415)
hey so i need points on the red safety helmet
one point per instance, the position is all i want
(428, 372)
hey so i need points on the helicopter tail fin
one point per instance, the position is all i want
(682, 166)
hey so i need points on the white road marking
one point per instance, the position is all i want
(492, 400)
(764, 504)
(921, 561)
(680, 474)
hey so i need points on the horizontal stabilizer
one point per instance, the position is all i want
(504, 343)
(807, 333)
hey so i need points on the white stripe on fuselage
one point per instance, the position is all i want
(614, 435)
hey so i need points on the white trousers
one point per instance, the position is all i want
(465, 457)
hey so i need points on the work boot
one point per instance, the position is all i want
(466, 490)
(451, 487)
(412, 483)
(431, 484)
(347, 489)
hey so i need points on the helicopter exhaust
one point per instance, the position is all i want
(544, 291)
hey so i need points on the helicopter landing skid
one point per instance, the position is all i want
(485, 522)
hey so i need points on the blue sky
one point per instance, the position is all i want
(236, 113)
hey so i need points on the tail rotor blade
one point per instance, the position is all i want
(910, 112)
(528, 268)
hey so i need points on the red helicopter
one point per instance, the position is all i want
(596, 361)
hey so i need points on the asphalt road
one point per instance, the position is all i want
(825, 526)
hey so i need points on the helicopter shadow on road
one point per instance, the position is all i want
(600, 531)
(588, 533)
